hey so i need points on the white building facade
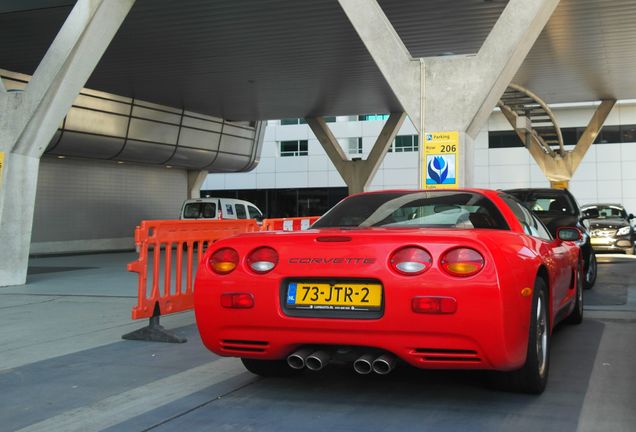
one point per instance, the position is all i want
(293, 158)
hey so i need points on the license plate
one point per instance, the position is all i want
(338, 296)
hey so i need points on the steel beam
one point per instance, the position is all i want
(357, 174)
(559, 168)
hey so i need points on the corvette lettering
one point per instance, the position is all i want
(331, 260)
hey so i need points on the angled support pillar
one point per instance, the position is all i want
(30, 118)
(195, 181)
(559, 169)
(357, 174)
(454, 93)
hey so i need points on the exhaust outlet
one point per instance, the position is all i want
(363, 365)
(317, 360)
(297, 359)
(384, 364)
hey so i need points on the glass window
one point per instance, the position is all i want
(608, 211)
(608, 135)
(369, 117)
(209, 210)
(229, 209)
(241, 213)
(429, 209)
(570, 136)
(504, 139)
(294, 148)
(531, 225)
(405, 143)
(253, 212)
(546, 201)
(292, 121)
(628, 133)
(192, 211)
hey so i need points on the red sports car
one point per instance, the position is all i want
(461, 279)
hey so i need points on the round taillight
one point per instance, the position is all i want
(411, 261)
(462, 262)
(262, 260)
(224, 261)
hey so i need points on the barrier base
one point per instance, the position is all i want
(154, 332)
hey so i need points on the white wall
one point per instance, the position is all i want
(399, 170)
(606, 174)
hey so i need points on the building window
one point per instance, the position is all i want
(292, 121)
(293, 148)
(571, 136)
(297, 121)
(368, 117)
(405, 143)
(352, 146)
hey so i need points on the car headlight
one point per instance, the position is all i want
(623, 231)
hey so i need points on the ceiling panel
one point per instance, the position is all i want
(252, 59)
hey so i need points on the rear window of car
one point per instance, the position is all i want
(546, 202)
(192, 211)
(199, 210)
(415, 209)
(608, 211)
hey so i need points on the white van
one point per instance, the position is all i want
(212, 208)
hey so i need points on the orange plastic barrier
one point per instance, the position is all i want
(288, 224)
(163, 238)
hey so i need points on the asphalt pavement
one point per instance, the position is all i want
(64, 367)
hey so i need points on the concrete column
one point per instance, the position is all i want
(357, 173)
(558, 168)
(30, 118)
(451, 93)
(195, 181)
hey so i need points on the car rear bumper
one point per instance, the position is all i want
(474, 337)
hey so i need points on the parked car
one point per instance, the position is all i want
(219, 208)
(558, 208)
(434, 279)
(610, 228)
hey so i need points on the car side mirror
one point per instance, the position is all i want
(591, 213)
(630, 217)
(568, 234)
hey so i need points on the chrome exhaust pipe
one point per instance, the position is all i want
(297, 359)
(363, 365)
(384, 364)
(317, 360)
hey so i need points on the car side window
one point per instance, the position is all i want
(542, 231)
(240, 211)
(229, 209)
(531, 225)
(253, 212)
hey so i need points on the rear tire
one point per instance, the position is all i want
(269, 368)
(533, 375)
(590, 272)
(576, 316)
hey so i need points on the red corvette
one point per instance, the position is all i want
(462, 279)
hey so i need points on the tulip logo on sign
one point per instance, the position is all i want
(438, 169)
